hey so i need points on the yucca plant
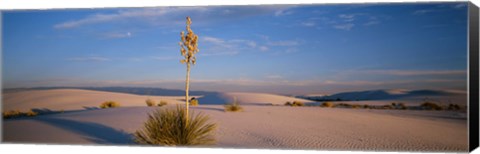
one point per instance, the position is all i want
(189, 47)
(162, 103)
(233, 107)
(194, 102)
(328, 104)
(109, 104)
(169, 127)
(150, 102)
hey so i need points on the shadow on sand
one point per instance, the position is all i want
(94, 132)
(214, 99)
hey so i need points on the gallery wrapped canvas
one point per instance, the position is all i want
(356, 77)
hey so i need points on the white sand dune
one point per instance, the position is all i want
(259, 126)
(74, 99)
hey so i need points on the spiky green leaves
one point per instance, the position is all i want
(169, 127)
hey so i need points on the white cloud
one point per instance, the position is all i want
(459, 6)
(116, 35)
(168, 16)
(90, 59)
(165, 58)
(284, 43)
(422, 11)
(418, 72)
(347, 26)
(263, 48)
(308, 24)
(213, 40)
(372, 22)
(283, 13)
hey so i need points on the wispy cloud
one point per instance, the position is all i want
(418, 72)
(309, 24)
(423, 11)
(283, 12)
(168, 16)
(116, 35)
(162, 58)
(372, 22)
(145, 14)
(459, 6)
(347, 26)
(90, 59)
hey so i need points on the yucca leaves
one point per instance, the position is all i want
(169, 127)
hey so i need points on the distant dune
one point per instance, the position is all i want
(440, 96)
(77, 99)
(73, 99)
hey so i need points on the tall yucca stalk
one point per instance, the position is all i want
(189, 47)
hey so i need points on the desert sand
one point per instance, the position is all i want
(261, 125)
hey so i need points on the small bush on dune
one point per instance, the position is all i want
(344, 105)
(389, 106)
(162, 103)
(169, 127)
(194, 102)
(356, 106)
(11, 114)
(150, 102)
(17, 113)
(31, 113)
(233, 107)
(294, 103)
(328, 104)
(453, 107)
(431, 106)
(402, 106)
(109, 104)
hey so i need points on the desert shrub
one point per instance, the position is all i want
(328, 104)
(366, 106)
(344, 105)
(150, 102)
(31, 113)
(169, 127)
(431, 106)
(453, 107)
(294, 103)
(388, 106)
(233, 107)
(194, 102)
(109, 104)
(356, 106)
(162, 103)
(11, 114)
(297, 103)
(402, 106)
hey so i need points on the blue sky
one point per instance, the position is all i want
(288, 49)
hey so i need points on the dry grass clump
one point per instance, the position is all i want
(16, 113)
(453, 107)
(430, 106)
(169, 127)
(109, 104)
(294, 103)
(194, 102)
(328, 104)
(11, 114)
(31, 113)
(233, 107)
(162, 103)
(150, 102)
